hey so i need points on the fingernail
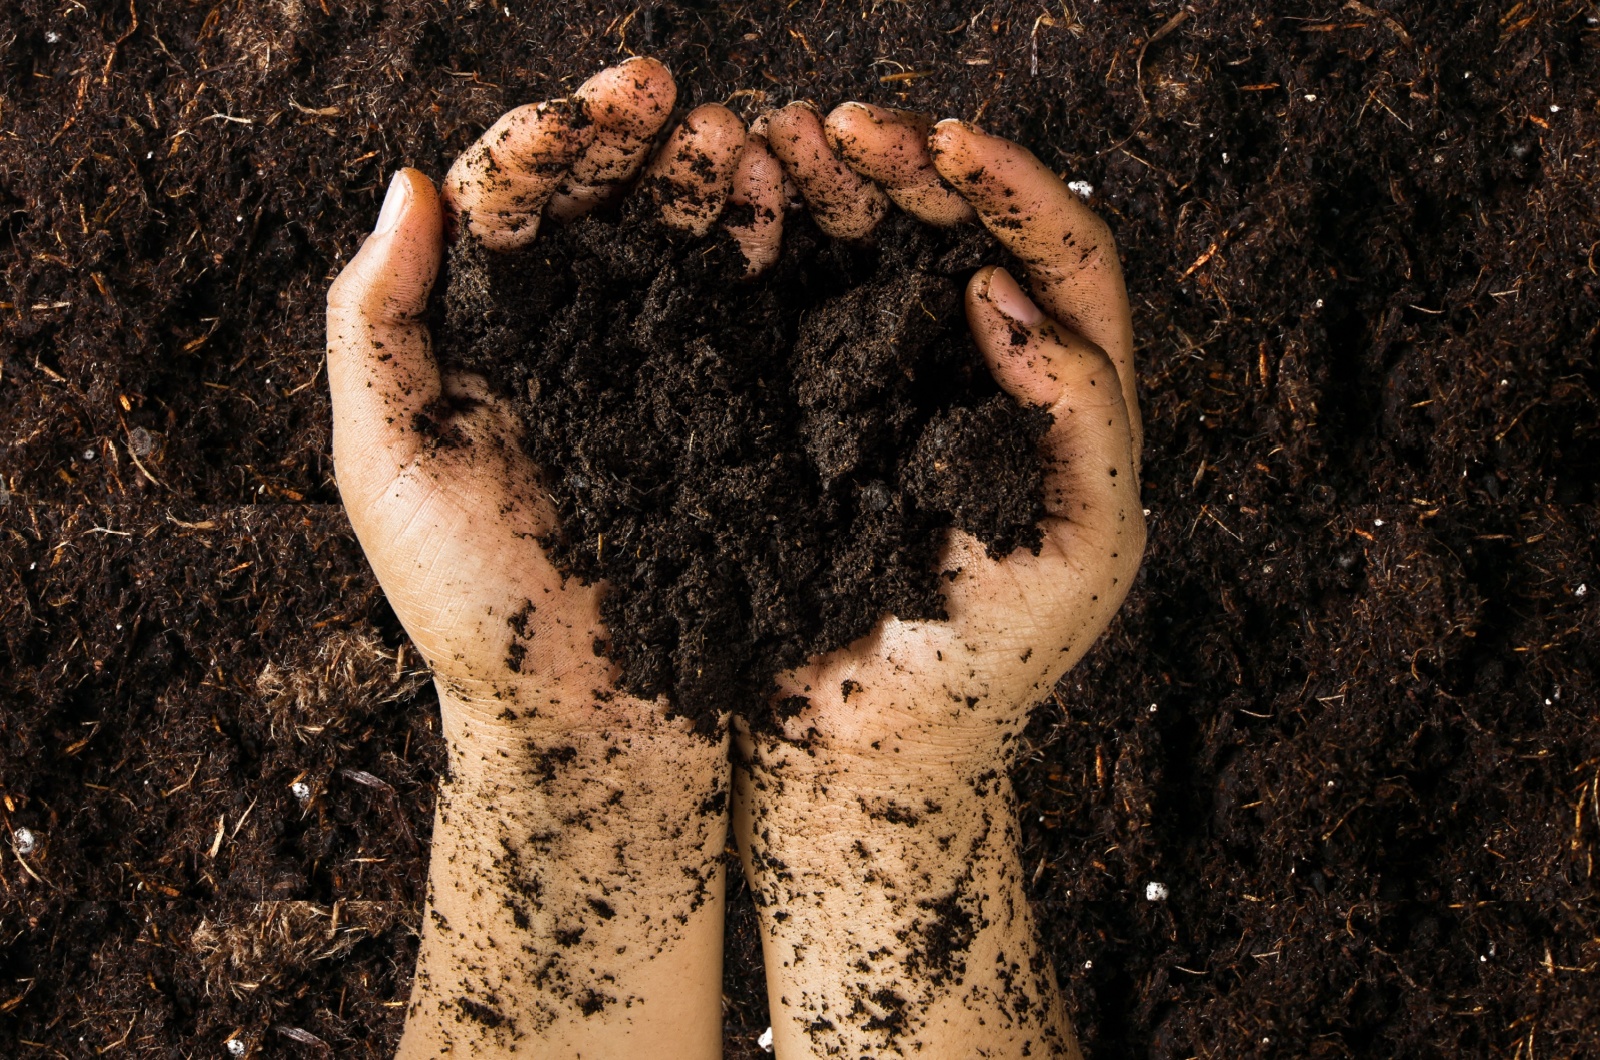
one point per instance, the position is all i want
(394, 204)
(1007, 297)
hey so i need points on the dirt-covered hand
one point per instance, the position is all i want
(575, 884)
(896, 914)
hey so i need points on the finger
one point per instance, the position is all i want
(692, 175)
(381, 369)
(626, 105)
(890, 148)
(1088, 450)
(756, 217)
(791, 190)
(498, 187)
(1070, 255)
(845, 204)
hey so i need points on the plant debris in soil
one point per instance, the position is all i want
(759, 469)
(1371, 783)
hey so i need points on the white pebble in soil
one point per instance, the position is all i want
(23, 841)
(1155, 891)
(234, 1046)
(1081, 188)
(765, 1041)
(301, 790)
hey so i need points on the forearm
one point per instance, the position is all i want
(894, 918)
(575, 900)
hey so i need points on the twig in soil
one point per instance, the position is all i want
(1138, 67)
(391, 799)
(304, 1037)
(111, 57)
(1388, 20)
(124, 1039)
(244, 817)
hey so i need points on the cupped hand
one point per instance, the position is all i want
(447, 507)
(960, 689)
(575, 881)
(877, 827)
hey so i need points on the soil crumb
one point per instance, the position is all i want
(759, 469)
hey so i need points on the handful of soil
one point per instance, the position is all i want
(760, 469)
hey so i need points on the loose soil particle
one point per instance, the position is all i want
(1369, 782)
(758, 469)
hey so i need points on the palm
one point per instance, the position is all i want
(455, 534)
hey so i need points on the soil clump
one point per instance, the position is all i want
(760, 469)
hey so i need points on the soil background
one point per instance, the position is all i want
(1347, 718)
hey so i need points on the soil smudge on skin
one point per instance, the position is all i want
(759, 469)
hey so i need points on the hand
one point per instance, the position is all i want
(575, 886)
(877, 825)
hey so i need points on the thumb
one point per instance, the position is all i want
(1088, 451)
(381, 370)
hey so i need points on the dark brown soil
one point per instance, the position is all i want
(758, 469)
(1367, 621)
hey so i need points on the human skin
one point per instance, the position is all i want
(878, 827)
(575, 885)
(574, 888)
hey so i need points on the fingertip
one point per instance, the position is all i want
(392, 274)
(719, 124)
(635, 96)
(1015, 337)
(691, 176)
(758, 184)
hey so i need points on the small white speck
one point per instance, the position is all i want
(148, 155)
(1482, 959)
(1581, 590)
(1467, 76)
(119, 625)
(1266, 1041)
(1152, 708)
(1202, 417)
(1437, 159)
(1547, 702)
(301, 790)
(1311, 97)
(23, 840)
(238, 217)
(1081, 188)
(1087, 965)
(53, 37)
(88, 455)
(1224, 156)
(1555, 108)
(1155, 891)
(1377, 522)
(33, 566)
(1147, 513)
(234, 1046)
(1266, 568)
(1319, 303)
(765, 1041)
(1505, 382)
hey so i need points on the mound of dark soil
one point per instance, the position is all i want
(760, 469)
